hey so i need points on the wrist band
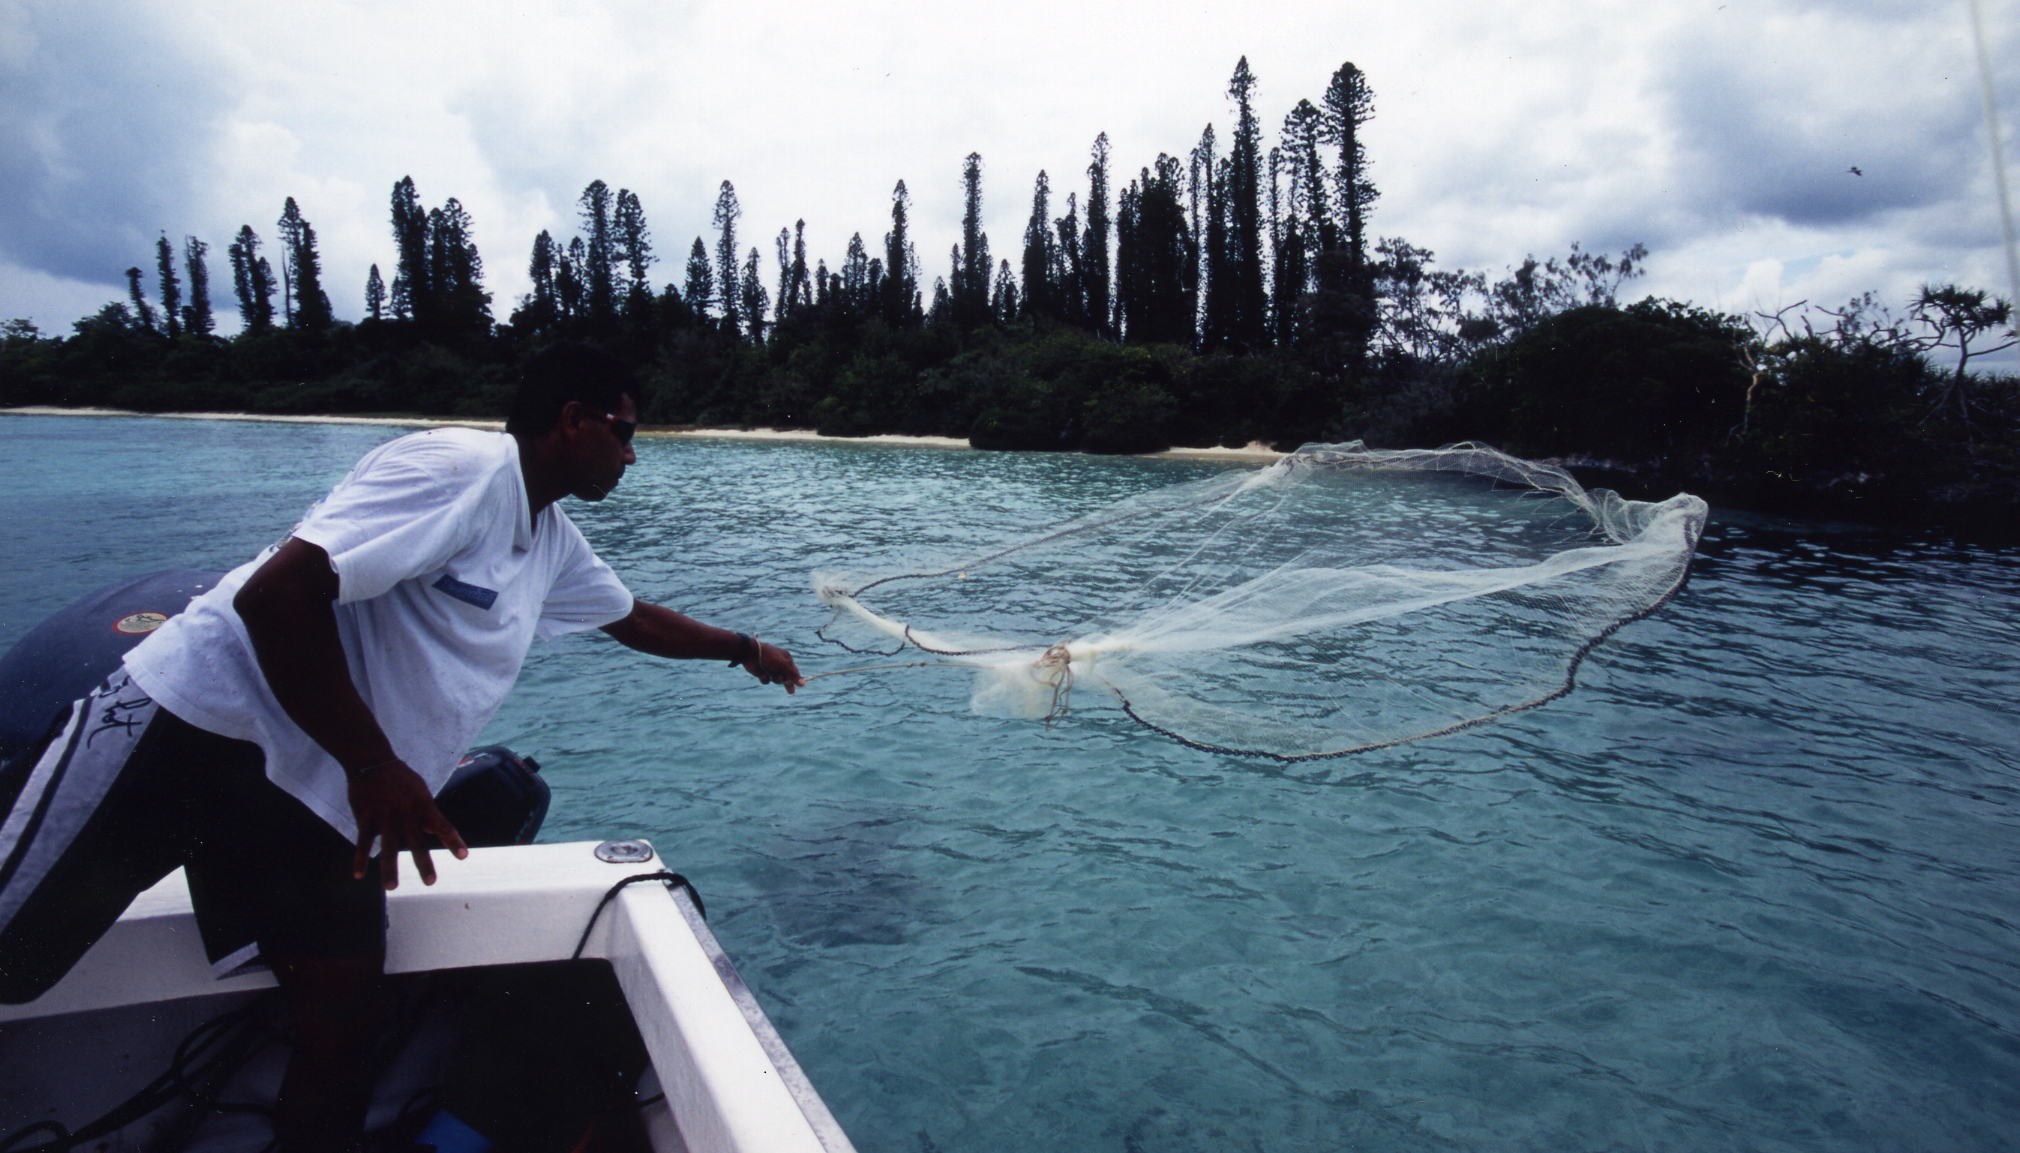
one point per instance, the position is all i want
(747, 650)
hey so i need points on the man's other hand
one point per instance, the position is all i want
(393, 806)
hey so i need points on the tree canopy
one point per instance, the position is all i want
(1232, 291)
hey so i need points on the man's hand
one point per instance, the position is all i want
(392, 805)
(650, 628)
(774, 666)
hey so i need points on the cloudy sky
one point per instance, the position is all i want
(1721, 135)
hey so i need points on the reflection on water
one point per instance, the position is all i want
(1750, 887)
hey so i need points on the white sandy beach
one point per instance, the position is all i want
(1253, 451)
(395, 421)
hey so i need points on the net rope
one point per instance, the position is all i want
(1340, 600)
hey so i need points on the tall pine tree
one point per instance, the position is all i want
(700, 289)
(241, 252)
(973, 268)
(413, 298)
(1281, 225)
(375, 295)
(597, 278)
(729, 288)
(1199, 201)
(1004, 301)
(1128, 209)
(542, 308)
(1216, 278)
(265, 284)
(1094, 267)
(568, 290)
(290, 226)
(253, 281)
(1247, 304)
(197, 319)
(171, 287)
(1069, 291)
(634, 252)
(754, 296)
(1156, 288)
(1041, 298)
(783, 243)
(856, 287)
(1346, 309)
(143, 312)
(312, 304)
(1306, 230)
(801, 290)
(456, 271)
(901, 267)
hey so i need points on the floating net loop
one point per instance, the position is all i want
(1339, 600)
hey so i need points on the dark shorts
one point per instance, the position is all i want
(123, 793)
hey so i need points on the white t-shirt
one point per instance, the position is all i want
(443, 582)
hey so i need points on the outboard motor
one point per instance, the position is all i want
(66, 656)
(495, 797)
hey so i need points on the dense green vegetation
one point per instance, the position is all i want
(1220, 299)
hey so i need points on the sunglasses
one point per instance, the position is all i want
(621, 429)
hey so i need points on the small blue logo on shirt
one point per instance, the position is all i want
(471, 594)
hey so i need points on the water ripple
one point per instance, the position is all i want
(1751, 886)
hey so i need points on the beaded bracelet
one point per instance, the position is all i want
(746, 652)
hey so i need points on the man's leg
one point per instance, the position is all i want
(338, 1004)
(91, 819)
(268, 870)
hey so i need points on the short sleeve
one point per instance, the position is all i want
(586, 594)
(404, 511)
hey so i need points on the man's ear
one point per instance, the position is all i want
(571, 418)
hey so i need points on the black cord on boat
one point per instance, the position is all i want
(195, 1074)
(674, 880)
(209, 1053)
(63, 1137)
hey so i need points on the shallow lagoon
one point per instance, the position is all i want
(1752, 886)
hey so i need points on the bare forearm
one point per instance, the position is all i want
(662, 632)
(287, 607)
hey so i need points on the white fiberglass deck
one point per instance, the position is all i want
(730, 1084)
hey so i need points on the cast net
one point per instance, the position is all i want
(1340, 600)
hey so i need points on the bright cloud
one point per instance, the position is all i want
(1722, 136)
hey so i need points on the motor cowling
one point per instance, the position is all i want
(67, 655)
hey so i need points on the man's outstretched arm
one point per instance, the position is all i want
(650, 628)
(288, 606)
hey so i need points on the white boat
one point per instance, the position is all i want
(141, 1047)
(127, 1029)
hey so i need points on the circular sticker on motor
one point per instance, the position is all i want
(139, 623)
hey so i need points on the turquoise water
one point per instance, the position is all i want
(1754, 885)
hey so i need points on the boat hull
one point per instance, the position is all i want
(729, 1083)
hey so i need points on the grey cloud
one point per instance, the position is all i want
(105, 128)
(1755, 140)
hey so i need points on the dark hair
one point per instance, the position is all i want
(563, 372)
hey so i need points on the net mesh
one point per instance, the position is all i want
(1340, 600)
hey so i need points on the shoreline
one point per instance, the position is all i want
(1950, 514)
(1255, 451)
